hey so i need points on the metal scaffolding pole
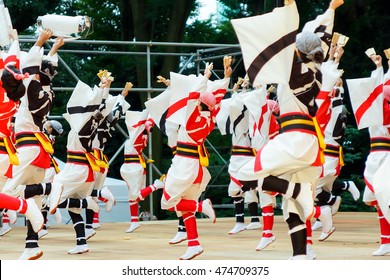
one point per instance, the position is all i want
(150, 150)
(31, 39)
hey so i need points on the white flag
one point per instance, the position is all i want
(267, 43)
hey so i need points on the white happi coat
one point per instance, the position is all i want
(238, 118)
(289, 155)
(181, 175)
(373, 162)
(7, 110)
(184, 171)
(372, 116)
(133, 173)
(331, 167)
(76, 178)
(28, 119)
(104, 133)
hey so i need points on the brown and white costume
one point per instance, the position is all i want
(76, 178)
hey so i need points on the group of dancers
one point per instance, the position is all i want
(286, 141)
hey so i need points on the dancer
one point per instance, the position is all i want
(188, 175)
(104, 133)
(375, 117)
(237, 114)
(86, 109)
(33, 147)
(158, 108)
(52, 129)
(47, 72)
(329, 187)
(268, 200)
(9, 103)
(263, 126)
(290, 163)
(133, 170)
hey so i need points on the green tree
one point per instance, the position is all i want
(25, 13)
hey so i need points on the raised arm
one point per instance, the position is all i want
(227, 61)
(207, 70)
(237, 85)
(334, 4)
(57, 44)
(43, 37)
(377, 59)
(127, 88)
(161, 79)
(105, 79)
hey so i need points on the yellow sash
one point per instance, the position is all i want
(341, 156)
(9, 146)
(45, 142)
(254, 151)
(101, 159)
(321, 140)
(203, 155)
(142, 160)
(55, 165)
(93, 162)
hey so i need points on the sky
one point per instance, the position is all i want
(208, 7)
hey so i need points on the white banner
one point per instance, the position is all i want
(267, 43)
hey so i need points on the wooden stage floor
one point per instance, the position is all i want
(355, 238)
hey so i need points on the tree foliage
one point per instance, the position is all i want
(25, 13)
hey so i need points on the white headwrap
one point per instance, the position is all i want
(309, 43)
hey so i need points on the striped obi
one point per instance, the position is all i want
(243, 151)
(77, 158)
(135, 158)
(83, 159)
(34, 139)
(306, 124)
(297, 122)
(380, 144)
(334, 151)
(194, 151)
(7, 147)
(38, 139)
